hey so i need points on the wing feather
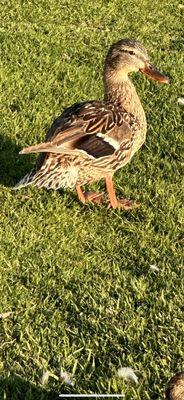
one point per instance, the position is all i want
(94, 128)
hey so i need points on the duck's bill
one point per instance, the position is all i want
(153, 73)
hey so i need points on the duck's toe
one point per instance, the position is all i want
(126, 204)
(94, 197)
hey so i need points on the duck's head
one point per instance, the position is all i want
(128, 56)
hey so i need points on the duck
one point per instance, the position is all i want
(91, 140)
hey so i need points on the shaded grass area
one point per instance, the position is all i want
(76, 278)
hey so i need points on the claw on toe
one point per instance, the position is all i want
(94, 197)
(127, 204)
(124, 204)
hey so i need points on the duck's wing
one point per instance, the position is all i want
(94, 129)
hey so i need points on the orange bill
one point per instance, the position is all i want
(154, 74)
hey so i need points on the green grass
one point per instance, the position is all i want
(76, 278)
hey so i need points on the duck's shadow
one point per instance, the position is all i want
(13, 166)
(16, 388)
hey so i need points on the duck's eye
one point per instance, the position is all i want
(128, 51)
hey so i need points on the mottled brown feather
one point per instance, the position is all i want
(91, 140)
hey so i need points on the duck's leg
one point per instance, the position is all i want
(94, 197)
(126, 204)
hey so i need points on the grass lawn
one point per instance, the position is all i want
(76, 278)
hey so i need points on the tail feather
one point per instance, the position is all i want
(52, 174)
(37, 148)
(27, 180)
(49, 148)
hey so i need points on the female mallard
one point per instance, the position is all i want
(93, 139)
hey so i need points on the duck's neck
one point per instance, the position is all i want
(124, 94)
